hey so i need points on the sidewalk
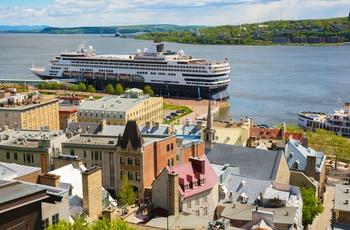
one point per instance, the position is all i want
(324, 220)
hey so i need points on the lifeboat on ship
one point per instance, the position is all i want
(99, 75)
(88, 74)
(111, 76)
(66, 73)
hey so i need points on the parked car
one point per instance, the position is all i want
(181, 111)
(169, 117)
(174, 114)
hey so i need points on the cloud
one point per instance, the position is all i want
(71, 13)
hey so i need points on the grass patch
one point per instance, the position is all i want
(176, 107)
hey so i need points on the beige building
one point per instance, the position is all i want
(117, 110)
(31, 147)
(24, 111)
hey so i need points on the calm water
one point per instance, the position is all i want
(271, 84)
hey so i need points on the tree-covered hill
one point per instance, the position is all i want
(265, 33)
(120, 29)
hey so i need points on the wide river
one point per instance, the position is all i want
(269, 83)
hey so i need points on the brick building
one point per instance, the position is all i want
(140, 156)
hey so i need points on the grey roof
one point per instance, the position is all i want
(162, 129)
(184, 221)
(251, 162)
(18, 190)
(300, 154)
(251, 187)
(112, 104)
(113, 130)
(12, 170)
(341, 194)
(243, 211)
(85, 127)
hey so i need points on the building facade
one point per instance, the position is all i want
(31, 147)
(139, 156)
(117, 110)
(22, 112)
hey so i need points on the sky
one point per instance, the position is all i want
(76, 13)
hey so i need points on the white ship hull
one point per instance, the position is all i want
(168, 73)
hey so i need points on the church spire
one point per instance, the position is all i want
(209, 132)
(209, 117)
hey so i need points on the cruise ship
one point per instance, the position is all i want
(337, 122)
(169, 74)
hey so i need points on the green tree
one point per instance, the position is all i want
(109, 89)
(126, 192)
(48, 85)
(311, 205)
(340, 148)
(40, 86)
(56, 86)
(82, 87)
(91, 89)
(119, 89)
(148, 90)
(74, 88)
(82, 224)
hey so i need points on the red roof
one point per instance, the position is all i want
(190, 171)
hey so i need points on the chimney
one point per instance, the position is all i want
(49, 179)
(306, 142)
(103, 124)
(156, 125)
(92, 192)
(199, 124)
(284, 129)
(199, 164)
(63, 160)
(261, 199)
(173, 193)
(310, 164)
(148, 124)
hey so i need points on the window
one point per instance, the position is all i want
(122, 160)
(205, 199)
(96, 155)
(72, 152)
(129, 160)
(197, 212)
(197, 201)
(7, 155)
(130, 175)
(137, 161)
(122, 173)
(202, 182)
(15, 156)
(189, 205)
(45, 223)
(194, 184)
(138, 176)
(205, 211)
(55, 219)
(84, 153)
(187, 187)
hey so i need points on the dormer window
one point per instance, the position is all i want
(194, 184)
(291, 155)
(202, 182)
(295, 165)
(187, 187)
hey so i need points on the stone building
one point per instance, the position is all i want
(117, 110)
(27, 111)
(31, 147)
